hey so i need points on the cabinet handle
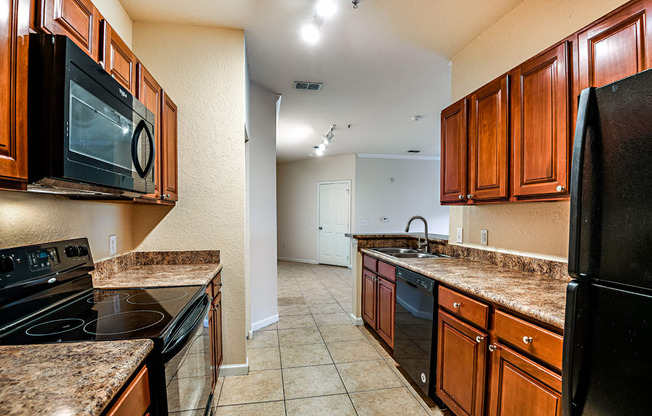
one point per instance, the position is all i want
(456, 305)
(560, 188)
(469, 196)
(492, 348)
(527, 340)
(479, 339)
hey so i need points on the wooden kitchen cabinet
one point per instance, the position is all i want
(169, 157)
(136, 399)
(386, 310)
(369, 297)
(77, 19)
(149, 93)
(118, 60)
(453, 187)
(488, 142)
(461, 365)
(215, 326)
(540, 124)
(13, 92)
(520, 386)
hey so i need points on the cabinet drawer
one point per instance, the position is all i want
(135, 400)
(464, 307)
(370, 263)
(529, 338)
(387, 271)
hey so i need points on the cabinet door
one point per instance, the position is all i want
(77, 19)
(212, 339)
(119, 61)
(521, 387)
(369, 298)
(386, 310)
(170, 182)
(461, 363)
(488, 137)
(615, 47)
(540, 94)
(13, 89)
(149, 93)
(453, 153)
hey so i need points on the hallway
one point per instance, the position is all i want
(314, 361)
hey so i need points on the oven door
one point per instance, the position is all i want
(188, 364)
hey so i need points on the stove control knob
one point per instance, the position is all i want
(72, 251)
(83, 250)
(6, 264)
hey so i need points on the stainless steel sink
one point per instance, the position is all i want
(396, 250)
(406, 253)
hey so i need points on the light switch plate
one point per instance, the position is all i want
(483, 237)
(364, 222)
(459, 235)
(113, 245)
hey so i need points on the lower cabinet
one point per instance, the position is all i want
(215, 326)
(379, 304)
(369, 296)
(135, 400)
(461, 364)
(520, 386)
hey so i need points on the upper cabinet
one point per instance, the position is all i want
(13, 92)
(149, 92)
(77, 19)
(119, 61)
(540, 133)
(453, 152)
(168, 153)
(488, 142)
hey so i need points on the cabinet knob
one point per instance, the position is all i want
(162, 196)
(456, 305)
(479, 339)
(167, 196)
(560, 188)
(527, 340)
(492, 348)
(469, 196)
(460, 196)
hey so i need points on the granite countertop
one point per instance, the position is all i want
(538, 296)
(66, 378)
(366, 236)
(159, 275)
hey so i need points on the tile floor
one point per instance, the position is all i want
(315, 361)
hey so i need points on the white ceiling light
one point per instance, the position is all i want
(326, 8)
(310, 33)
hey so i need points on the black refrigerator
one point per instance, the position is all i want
(607, 365)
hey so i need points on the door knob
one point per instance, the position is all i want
(321, 228)
(469, 196)
(460, 196)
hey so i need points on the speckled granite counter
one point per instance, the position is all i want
(158, 275)
(66, 379)
(441, 238)
(538, 296)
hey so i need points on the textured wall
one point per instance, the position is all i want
(203, 71)
(538, 229)
(116, 15)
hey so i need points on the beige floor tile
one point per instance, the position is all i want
(338, 405)
(341, 333)
(264, 359)
(288, 310)
(325, 308)
(297, 321)
(271, 327)
(291, 300)
(332, 319)
(368, 375)
(397, 401)
(299, 336)
(184, 393)
(256, 409)
(258, 386)
(351, 351)
(263, 339)
(312, 381)
(305, 355)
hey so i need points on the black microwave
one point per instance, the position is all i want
(87, 135)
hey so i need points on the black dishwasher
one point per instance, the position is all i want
(414, 328)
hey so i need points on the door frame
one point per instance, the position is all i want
(320, 183)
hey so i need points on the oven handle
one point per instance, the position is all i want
(134, 149)
(179, 342)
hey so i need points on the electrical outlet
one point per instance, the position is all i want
(483, 237)
(113, 245)
(459, 235)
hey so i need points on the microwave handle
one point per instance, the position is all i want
(134, 149)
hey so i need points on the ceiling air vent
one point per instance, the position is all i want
(414, 151)
(309, 86)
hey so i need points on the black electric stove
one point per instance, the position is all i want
(46, 296)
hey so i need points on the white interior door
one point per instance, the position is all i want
(334, 212)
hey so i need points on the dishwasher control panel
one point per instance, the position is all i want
(416, 279)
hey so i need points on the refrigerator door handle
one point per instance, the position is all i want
(577, 170)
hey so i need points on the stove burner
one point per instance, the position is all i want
(145, 298)
(107, 297)
(123, 322)
(56, 326)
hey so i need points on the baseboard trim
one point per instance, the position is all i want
(297, 260)
(357, 321)
(231, 370)
(264, 322)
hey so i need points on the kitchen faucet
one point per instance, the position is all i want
(425, 223)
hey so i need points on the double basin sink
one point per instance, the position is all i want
(407, 253)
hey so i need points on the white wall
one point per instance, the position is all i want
(117, 17)
(262, 202)
(297, 199)
(203, 71)
(414, 191)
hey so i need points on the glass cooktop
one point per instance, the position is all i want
(108, 315)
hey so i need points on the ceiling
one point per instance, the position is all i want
(380, 64)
